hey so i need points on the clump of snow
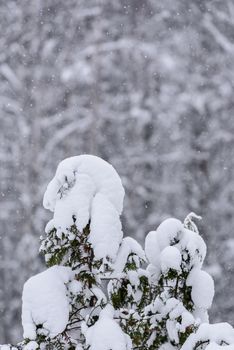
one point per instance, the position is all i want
(168, 232)
(32, 345)
(103, 175)
(195, 245)
(152, 249)
(106, 334)
(165, 246)
(75, 203)
(105, 228)
(218, 333)
(154, 272)
(172, 331)
(75, 287)
(87, 188)
(187, 320)
(202, 288)
(45, 302)
(128, 246)
(201, 315)
(170, 258)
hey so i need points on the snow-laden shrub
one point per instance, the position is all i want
(104, 292)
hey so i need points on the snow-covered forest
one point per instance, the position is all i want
(148, 86)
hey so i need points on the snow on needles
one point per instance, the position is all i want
(173, 246)
(167, 232)
(45, 302)
(88, 188)
(128, 246)
(165, 246)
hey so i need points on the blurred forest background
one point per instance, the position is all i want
(148, 85)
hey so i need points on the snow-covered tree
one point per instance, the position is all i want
(102, 291)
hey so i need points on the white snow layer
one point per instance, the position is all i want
(128, 246)
(75, 203)
(216, 334)
(106, 334)
(105, 228)
(168, 231)
(164, 246)
(45, 302)
(202, 288)
(170, 258)
(88, 188)
(32, 345)
(214, 346)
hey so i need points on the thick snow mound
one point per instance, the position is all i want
(218, 334)
(202, 288)
(106, 334)
(88, 188)
(170, 258)
(105, 228)
(168, 231)
(45, 302)
(102, 174)
(76, 203)
(152, 249)
(195, 245)
(166, 234)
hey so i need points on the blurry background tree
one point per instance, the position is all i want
(147, 85)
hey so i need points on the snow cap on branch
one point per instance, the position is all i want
(45, 302)
(164, 246)
(88, 189)
(102, 174)
(128, 246)
(212, 334)
(202, 288)
(106, 334)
